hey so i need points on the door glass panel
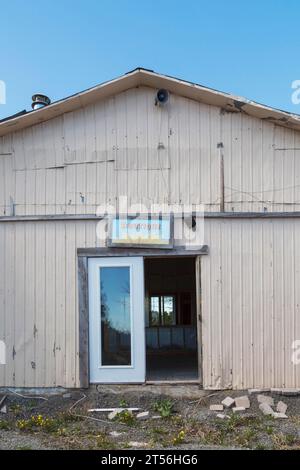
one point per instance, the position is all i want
(115, 316)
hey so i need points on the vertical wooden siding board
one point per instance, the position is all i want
(257, 157)
(50, 294)
(122, 159)
(173, 151)
(111, 142)
(288, 274)
(19, 332)
(142, 146)
(71, 278)
(10, 295)
(195, 186)
(60, 305)
(30, 282)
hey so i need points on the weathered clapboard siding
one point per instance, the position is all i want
(250, 302)
(125, 145)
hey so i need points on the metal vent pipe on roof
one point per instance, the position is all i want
(40, 101)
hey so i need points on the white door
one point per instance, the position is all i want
(116, 320)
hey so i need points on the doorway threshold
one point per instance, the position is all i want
(172, 382)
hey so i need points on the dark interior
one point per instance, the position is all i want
(171, 328)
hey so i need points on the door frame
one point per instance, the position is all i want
(83, 254)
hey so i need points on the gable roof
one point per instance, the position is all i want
(145, 77)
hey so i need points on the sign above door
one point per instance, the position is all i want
(141, 232)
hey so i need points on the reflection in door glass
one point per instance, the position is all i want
(115, 316)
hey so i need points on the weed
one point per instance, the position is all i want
(126, 417)
(179, 438)
(123, 404)
(38, 422)
(164, 407)
(15, 408)
(4, 426)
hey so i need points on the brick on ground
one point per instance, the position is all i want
(253, 391)
(289, 392)
(222, 416)
(143, 415)
(266, 409)
(216, 407)
(228, 402)
(281, 407)
(242, 402)
(237, 409)
(279, 415)
(265, 399)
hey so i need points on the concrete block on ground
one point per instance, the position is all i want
(228, 402)
(252, 391)
(143, 415)
(67, 395)
(115, 433)
(265, 399)
(266, 409)
(288, 392)
(242, 402)
(237, 409)
(138, 444)
(281, 407)
(222, 416)
(279, 415)
(216, 407)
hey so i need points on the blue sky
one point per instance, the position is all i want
(56, 47)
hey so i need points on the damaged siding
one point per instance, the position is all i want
(127, 145)
(124, 145)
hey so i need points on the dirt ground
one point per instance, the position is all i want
(62, 421)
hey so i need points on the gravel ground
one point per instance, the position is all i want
(61, 422)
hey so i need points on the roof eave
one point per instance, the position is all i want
(144, 77)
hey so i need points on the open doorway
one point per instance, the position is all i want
(171, 319)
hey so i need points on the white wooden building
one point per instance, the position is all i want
(225, 315)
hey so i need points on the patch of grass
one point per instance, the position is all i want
(164, 407)
(23, 448)
(285, 441)
(103, 442)
(31, 404)
(240, 431)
